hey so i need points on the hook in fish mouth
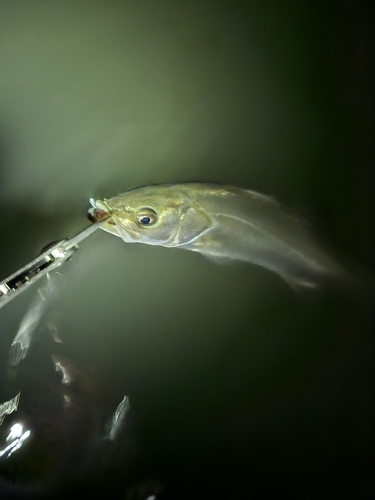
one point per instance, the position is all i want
(99, 211)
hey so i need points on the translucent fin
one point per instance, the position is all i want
(118, 418)
(264, 197)
(219, 259)
(287, 210)
(299, 284)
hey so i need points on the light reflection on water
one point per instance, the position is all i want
(16, 439)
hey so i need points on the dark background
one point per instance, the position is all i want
(239, 387)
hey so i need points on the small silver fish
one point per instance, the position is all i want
(220, 222)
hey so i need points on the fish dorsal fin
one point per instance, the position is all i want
(263, 197)
(294, 214)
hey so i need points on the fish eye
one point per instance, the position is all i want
(146, 217)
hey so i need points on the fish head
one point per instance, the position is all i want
(155, 215)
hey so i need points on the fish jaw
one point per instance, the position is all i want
(115, 225)
(99, 211)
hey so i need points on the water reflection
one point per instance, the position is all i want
(118, 418)
(8, 407)
(74, 428)
(16, 439)
(29, 323)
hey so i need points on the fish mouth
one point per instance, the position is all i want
(96, 215)
(99, 206)
(99, 211)
(114, 225)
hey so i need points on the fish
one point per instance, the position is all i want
(223, 223)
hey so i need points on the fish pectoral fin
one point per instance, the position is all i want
(298, 284)
(222, 259)
(193, 223)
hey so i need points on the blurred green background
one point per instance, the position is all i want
(240, 388)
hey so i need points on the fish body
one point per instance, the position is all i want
(220, 222)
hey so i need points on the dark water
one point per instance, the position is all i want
(238, 387)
